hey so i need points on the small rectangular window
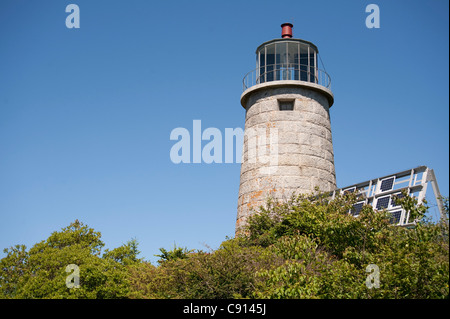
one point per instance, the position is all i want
(286, 105)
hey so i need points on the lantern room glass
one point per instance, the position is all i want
(286, 60)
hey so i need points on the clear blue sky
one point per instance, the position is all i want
(86, 114)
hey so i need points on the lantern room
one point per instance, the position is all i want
(287, 59)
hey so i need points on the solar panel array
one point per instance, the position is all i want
(381, 193)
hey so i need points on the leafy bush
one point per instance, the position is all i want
(327, 250)
(228, 272)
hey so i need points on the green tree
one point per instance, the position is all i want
(174, 254)
(125, 254)
(41, 271)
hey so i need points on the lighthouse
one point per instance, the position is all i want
(287, 138)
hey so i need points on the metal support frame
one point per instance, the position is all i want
(437, 194)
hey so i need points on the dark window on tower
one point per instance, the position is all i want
(286, 105)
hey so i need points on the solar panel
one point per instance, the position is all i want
(383, 202)
(356, 209)
(387, 184)
(350, 190)
(398, 195)
(395, 217)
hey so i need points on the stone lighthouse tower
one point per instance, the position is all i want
(287, 142)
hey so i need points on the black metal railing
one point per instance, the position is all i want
(284, 71)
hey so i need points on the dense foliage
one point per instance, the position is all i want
(41, 271)
(307, 247)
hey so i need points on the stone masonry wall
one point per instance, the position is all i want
(304, 158)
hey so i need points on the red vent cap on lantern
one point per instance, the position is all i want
(286, 31)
